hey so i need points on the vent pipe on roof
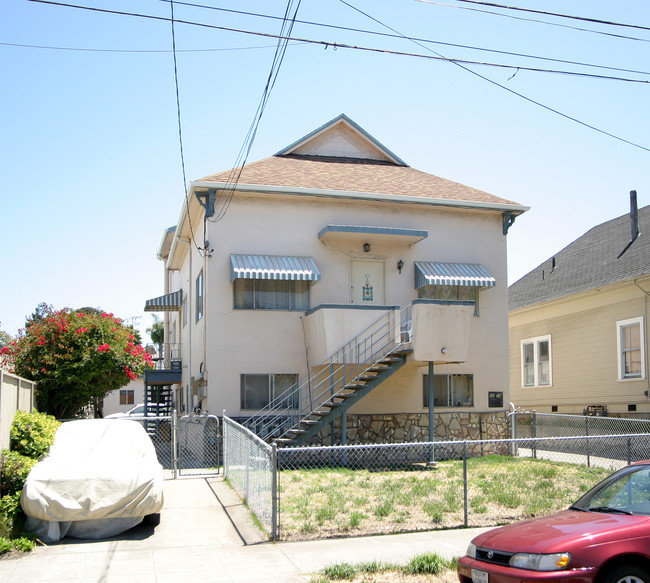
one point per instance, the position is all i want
(634, 222)
(634, 215)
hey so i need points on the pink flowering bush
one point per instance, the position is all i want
(75, 356)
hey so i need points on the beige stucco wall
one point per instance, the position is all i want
(584, 351)
(226, 343)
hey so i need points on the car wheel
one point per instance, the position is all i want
(154, 520)
(627, 574)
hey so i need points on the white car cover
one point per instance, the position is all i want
(100, 477)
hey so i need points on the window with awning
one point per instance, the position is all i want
(283, 267)
(272, 282)
(168, 303)
(452, 274)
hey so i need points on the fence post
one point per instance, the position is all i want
(274, 491)
(223, 443)
(588, 441)
(534, 434)
(465, 485)
(175, 443)
(629, 450)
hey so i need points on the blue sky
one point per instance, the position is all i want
(90, 168)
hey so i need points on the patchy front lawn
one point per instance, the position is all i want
(332, 502)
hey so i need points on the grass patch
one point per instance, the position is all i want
(330, 502)
(426, 564)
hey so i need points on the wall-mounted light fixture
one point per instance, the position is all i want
(400, 264)
(366, 247)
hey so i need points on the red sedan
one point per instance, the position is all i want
(603, 538)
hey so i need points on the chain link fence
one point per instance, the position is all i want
(304, 493)
(250, 466)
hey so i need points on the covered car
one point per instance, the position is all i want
(100, 477)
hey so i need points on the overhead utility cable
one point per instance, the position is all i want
(530, 100)
(435, 56)
(402, 37)
(556, 14)
(235, 174)
(537, 21)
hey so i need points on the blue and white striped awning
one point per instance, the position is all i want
(167, 303)
(430, 273)
(273, 267)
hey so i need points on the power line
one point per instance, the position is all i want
(399, 36)
(537, 21)
(146, 51)
(244, 152)
(530, 100)
(436, 56)
(556, 14)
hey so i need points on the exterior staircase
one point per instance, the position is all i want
(331, 388)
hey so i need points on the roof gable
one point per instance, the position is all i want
(341, 138)
(602, 256)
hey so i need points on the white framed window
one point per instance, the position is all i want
(199, 296)
(631, 349)
(258, 390)
(536, 362)
(449, 390)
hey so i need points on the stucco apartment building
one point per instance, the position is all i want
(578, 324)
(333, 268)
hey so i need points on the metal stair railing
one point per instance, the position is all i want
(329, 379)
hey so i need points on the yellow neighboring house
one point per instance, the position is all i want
(578, 324)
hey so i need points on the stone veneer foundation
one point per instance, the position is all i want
(414, 427)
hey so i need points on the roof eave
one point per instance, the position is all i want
(515, 209)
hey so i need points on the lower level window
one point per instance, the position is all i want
(127, 397)
(271, 294)
(449, 390)
(258, 390)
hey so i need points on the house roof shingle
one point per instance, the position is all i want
(353, 175)
(591, 261)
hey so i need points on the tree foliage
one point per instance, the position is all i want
(75, 356)
(157, 332)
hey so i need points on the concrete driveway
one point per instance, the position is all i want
(207, 535)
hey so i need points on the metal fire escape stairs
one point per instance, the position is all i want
(353, 371)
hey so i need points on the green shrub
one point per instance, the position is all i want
(32, 433)
(11, 515)
(13, 471)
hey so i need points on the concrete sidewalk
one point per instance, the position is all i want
(207, 535)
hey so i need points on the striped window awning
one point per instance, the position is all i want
(167, 303)
(430, 273)
(273, 267)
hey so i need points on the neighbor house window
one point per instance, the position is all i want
(127, 397)
(258, 390)
(449, 390)
(199, 296)
(536, 362)
(450, 293)
(271, 294)
(631, 351)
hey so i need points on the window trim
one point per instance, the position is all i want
(619, 348)
(535, 342)
(199, 295)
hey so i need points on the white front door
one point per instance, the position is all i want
(367, 282)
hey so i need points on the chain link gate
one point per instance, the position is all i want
(187, 445)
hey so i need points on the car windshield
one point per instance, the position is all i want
(625, 492)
